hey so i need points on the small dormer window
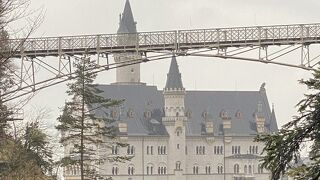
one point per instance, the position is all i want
(131, 113)
(205, 114)
(238, 114)
(223, 114)
(147, 114)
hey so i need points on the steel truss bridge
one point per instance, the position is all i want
(265, 44)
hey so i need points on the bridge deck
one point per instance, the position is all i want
(167, 40)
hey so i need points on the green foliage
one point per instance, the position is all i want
(283, 148)
(81, 128)
(29, 155)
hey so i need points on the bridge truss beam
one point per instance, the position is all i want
(264, 44)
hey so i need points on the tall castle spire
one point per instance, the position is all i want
(127, 23)
(174, 76)
(127, 74)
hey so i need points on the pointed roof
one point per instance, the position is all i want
(273, 120)
(127, 23)
(174, 75)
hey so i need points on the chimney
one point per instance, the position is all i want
(123, 128)
(209, 127)
(225, 119)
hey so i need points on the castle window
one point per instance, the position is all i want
(131, 170)
(162, 170)
(162, 150)
(220, 169)
(115, 170)
(150, 150)
(130, 150)
(178, 131)
(260, 169)
(236, 169)
(149, 169)
(115, 150)
(236, 150)
(208, 169)
(195, 169)
(178, 165)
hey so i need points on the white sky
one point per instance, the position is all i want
(74, 17)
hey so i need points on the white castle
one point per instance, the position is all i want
(175, 134)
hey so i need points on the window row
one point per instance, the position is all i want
(253, 149)
(149, 170)
(200, 150)
(218, 150)
(162, 150)
(236, 150)
(196, 169)
(115, 150)
(247, 169)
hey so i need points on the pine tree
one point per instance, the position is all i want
(29, 156)
(283, 148)
(81, 128)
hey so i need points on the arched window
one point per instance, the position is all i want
(130, 170)
(220, 169)
(245, 169)
(236, 169)
(221, 150)
(195, 169)
(208, 169)
(203, 150)
(260, 169)
(115, 170)
(250, 169)
(197, 150)
(178, 131)
(256, 149)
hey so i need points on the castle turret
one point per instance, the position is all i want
(127, 31)
(174, 121)
(174, 92)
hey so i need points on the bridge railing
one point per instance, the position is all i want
(169, 40)
(258, 34)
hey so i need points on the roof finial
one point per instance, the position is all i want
(262, 87)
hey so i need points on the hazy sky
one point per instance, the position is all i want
(74, 17)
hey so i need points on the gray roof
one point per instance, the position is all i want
(127, 23)
(141, 99)
(174, 75)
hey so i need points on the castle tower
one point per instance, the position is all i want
(127, 27)
(174, 121)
